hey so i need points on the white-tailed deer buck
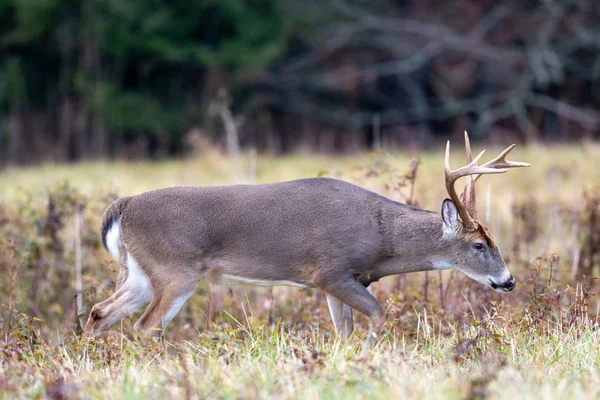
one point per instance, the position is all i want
(315, 233)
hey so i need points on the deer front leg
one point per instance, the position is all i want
(341, 315)
(353, 293)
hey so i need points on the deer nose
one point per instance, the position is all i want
(509, 284)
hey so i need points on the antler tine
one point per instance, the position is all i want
(468, 194)
(502, 162)
(468, 148)
(452, 175)
(474, 169)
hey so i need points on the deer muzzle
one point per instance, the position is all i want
(505, 286)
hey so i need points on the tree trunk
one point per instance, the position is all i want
(15, 132)
(231, 132)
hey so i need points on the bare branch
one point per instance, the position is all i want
(438, 32)
(588, 119)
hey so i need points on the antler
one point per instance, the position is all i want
(465, 204)
(468, 194)
(502, 162)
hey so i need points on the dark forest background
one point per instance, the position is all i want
(126, 79)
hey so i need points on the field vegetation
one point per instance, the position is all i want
(445, 336)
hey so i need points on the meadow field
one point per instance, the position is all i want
(445, 336)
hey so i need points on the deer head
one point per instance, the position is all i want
(474, 249)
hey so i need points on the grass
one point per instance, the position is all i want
(259, 363)
(445, 336)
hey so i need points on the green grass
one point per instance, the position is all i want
(444, 337)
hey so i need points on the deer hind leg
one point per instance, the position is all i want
(341, 315)
(121, 278)
(167, 300)
(133, 291)
(351, 292)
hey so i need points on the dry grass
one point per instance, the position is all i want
(445, 337)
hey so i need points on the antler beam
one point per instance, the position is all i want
(466, 205)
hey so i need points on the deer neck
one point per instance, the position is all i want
(414, 244)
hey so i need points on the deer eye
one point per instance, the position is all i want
(478, 246)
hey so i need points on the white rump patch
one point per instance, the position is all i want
(113, 238)
(233, 280)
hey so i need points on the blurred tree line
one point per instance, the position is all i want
(113, 78)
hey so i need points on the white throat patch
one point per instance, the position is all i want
(442, 265)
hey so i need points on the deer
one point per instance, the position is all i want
(309, 233)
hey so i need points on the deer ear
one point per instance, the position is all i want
(450, 218)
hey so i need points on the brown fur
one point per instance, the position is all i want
(486, 234)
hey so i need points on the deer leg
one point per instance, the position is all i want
(165, 304)
(354, 294)
(134, 292)
(121, 278)
(341, 315)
